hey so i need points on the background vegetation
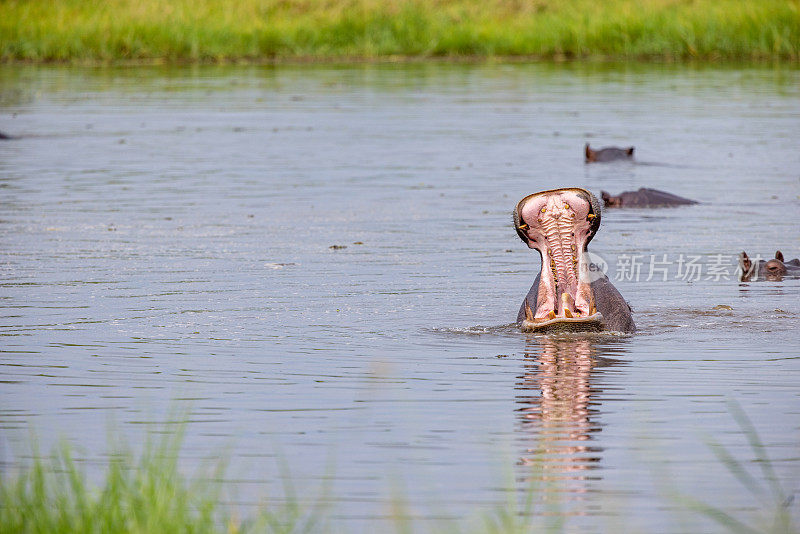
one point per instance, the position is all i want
(275, 30)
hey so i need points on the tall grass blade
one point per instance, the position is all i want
(720, 516)
(758, 448)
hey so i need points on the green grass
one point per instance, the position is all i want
(145, 496)
(151, 495)
(290, 30)
(141, 496)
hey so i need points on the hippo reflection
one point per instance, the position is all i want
(644, 198)
(609, 153)
(565, 295)
(557, 409)
(773, 270)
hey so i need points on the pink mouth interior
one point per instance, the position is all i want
(559, 227)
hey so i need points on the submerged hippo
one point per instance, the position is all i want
(773, 270)
(609, 153)
(564, 296)
(644, 198)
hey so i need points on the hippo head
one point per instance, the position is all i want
(559, 224)
(775, 269)
(610, 201)
(610, 153)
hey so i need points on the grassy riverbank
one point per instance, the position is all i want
(276, 30)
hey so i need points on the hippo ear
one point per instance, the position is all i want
(779, 255)
(630, 151)
(744, 263)
(746, 267)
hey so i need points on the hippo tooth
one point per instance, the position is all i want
(567, 302)
(528, 312)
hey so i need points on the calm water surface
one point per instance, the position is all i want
(318, 264)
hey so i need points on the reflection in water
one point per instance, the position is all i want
(557, 414)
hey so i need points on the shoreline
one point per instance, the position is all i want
(406, 60)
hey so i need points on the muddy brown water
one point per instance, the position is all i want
(317, 263)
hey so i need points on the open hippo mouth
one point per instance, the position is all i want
(559, 224)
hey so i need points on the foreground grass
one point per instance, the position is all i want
(54, 496)
(264, 30)
(151, 495)
(141, 496)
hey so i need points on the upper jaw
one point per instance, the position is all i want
(559, 224)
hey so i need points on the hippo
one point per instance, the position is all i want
(773, 270)
(609, 153)
(644, 198)
(565, 296)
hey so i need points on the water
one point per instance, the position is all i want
(318, 264)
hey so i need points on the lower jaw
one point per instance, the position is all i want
(587, 323)
(561, 308)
